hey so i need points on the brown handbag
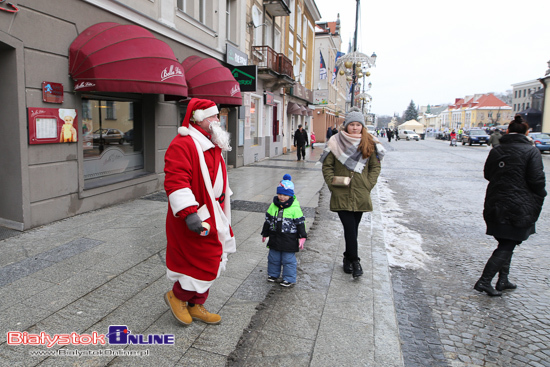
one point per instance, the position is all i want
(343, 181)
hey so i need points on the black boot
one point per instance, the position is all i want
(348, 268)
(503, 282)
(494, 264)
(357, 269)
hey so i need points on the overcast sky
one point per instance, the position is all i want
(433, 51)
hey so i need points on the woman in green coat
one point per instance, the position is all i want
(352, 153)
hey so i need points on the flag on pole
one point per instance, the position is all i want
(322, 68)
(335, 71)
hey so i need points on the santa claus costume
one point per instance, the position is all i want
(196, 184)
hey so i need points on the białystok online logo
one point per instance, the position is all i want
(117, 335)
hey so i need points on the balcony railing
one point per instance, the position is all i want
(267, 59)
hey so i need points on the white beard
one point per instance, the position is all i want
(220, 137)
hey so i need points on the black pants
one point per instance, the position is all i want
(301, 151)
(350, 221)
(506, 245)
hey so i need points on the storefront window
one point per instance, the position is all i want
(254, 117)
(112, 137)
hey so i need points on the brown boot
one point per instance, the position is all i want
(178, 308)
(198, 312)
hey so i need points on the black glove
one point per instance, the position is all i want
(194, 223)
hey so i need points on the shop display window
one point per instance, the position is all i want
(112, 136)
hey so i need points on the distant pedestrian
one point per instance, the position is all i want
(285, 226)
(329, 133)
(494, 139)
(300, 142)
(389, 134)
(334, 130)
(453, 138)
(513, 201)
(396, 134)
(312, 139)
(351, 167)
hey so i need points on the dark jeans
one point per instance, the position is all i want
(301, 151)
(350, 221)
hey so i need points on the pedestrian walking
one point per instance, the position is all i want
(300, 141)
(351, 168)
(513, 201)
(334, 130)
(494, 139)
(198, 231)
(389, 134)
(453, 138)
(285, 226)
(312, 139)
(329, 133)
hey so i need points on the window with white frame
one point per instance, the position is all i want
(255, 104)
(277, 41)
(291, 6)
(299, 22)
(231, 20)
(268, 32)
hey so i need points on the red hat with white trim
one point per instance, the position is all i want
(197, 110)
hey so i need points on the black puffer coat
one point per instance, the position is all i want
(516, 189)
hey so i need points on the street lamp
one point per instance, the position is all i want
(356, 63)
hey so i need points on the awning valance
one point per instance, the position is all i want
(309, 112)
(208, 79)
(293, 109)
(110, 57)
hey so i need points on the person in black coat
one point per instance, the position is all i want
(513, 201)
(329, 133)
(300, 142)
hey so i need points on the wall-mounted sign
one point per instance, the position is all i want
(52, 92)
(52, 125)
(234, 56)
(269, 98)
(246, 76)
(320, 96)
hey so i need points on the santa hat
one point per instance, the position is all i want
(197, 110)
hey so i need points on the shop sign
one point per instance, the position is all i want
(320, 96)
(269, 98)
(52, 92)
(52, 125)
(234, 56)
(246, 76)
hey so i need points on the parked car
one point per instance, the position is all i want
(475, 136)
(107, 136)
(129, 136)
(408, 135)
(542, 141)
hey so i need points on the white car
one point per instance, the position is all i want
(408, 135)
(371, 129)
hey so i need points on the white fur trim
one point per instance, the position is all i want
(181, 199)
(187, 282)
(200, 115)
(183, 131)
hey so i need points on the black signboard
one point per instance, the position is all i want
(246, 76)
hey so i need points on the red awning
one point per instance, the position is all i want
(304, 110)
(208, 79)
(293, 109)
(110, 57)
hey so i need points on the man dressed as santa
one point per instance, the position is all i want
(198, 222)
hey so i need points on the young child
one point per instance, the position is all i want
(285, 225)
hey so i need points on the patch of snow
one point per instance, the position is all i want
(403, 245)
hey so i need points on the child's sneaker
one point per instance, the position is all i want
(284, 283)
(271, 279)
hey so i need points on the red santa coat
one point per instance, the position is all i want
(196, 176)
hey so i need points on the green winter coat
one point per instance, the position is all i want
(355, 197)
